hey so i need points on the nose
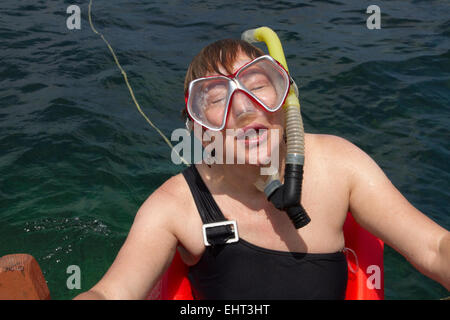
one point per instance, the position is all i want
(242, 104)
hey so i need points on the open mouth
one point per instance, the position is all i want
(252, 135)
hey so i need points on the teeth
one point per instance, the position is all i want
(252, 133)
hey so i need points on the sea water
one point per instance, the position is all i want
(77, 159)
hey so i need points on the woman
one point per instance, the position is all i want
(271, 258)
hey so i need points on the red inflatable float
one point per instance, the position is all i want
(365, 269)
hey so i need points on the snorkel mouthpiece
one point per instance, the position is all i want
(285, 196)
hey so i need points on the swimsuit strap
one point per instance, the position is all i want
(206, 205)
(207, 208)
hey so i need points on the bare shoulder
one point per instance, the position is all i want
(348, 156)
(339, 162)
(172, 192)
(168, 204)
(331, 145)
(335, 153)
(150, 244)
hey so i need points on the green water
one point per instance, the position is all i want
(77, 159)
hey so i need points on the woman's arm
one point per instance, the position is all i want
(380, 208)
(145, 255)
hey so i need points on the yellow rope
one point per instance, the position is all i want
(125, 77)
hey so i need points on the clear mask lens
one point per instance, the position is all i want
(263, 80)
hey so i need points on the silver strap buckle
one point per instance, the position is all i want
(218, 224)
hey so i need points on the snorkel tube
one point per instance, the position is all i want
(285, 197)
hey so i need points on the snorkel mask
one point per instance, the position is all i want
(263, 80)
(285, 197)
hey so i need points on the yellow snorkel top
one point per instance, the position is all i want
(270, 38)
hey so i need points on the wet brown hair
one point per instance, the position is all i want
(220, 53)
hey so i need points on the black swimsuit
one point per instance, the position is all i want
(242, 270)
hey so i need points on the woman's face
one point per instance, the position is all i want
(251, 132)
